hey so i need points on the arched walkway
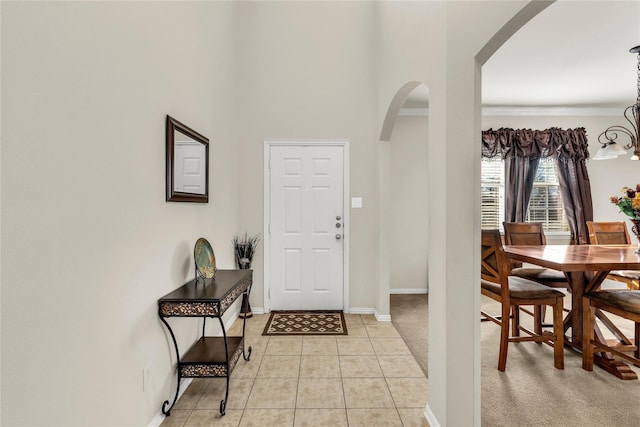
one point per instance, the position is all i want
(394, 108)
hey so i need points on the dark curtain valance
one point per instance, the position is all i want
(522, 149)
(553, 142)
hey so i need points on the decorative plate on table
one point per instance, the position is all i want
(205, 258)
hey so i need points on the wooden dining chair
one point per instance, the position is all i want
(608, 233)
(614, 233)
(621, 302)
(532, 233)
(512, 292)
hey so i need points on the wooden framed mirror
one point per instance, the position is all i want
(187, 164)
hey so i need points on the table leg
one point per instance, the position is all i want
(245, 310)
(223, 403)
(606, 360)
(614, 366)
(576, 280)
(581, 282)
(166, 411)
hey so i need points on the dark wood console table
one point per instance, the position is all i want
(209, 356)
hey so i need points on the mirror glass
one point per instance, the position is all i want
(187, 164)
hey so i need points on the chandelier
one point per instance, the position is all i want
(607, 139)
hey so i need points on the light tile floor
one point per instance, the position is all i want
(367, 378)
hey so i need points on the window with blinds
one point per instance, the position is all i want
(545, 205)
(492, 193)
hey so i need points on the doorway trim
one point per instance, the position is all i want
(344, 143)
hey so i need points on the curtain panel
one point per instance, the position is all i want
(520, 173)
(522, 149)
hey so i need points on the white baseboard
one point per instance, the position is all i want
(160, 417)
(382, 317)
(408, 291)
(431, 419)
(257, 310)
(352, 310)
(370, 310)
(361, 310)
(157, 420)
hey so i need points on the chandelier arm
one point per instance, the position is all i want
(633, 111)
(611, 135)
(636, 49)
(632, 114)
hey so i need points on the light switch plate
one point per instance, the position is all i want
(356, 202)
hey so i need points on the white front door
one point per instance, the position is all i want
(306, 223)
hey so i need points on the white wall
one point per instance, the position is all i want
(88, 242)
(409, 205)
(409, 36)
(304, 71)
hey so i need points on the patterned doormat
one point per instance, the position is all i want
(306, 323)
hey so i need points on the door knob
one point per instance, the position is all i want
(338, 218)
(338, 225)
(338, 236)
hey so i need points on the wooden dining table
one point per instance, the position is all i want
(586, 267)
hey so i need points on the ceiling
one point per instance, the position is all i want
(574, 54)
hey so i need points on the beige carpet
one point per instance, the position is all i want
(410, 316)
(531, 392)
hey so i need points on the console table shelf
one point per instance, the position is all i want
(209, 356)
(206, 358)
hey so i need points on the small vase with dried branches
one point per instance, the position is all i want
(245, 247)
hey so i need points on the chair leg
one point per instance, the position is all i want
(504, 336)
(515, 323)
(636, 353)
(538, 317)
(558, 330)
(587, 334)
